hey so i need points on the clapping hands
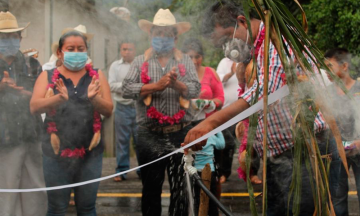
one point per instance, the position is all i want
(8, 84)
(94, 88)
(60, 86)
(168, 80)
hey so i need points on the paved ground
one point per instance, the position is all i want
(123, 198)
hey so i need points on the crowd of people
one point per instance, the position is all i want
(51, 116)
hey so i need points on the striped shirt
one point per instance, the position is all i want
(167, 101)
(279, 115)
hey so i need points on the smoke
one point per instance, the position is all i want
(23, 161)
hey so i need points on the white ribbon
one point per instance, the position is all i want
(278, 94)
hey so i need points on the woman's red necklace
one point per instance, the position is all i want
(52, 129)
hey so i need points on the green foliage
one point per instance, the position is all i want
(355, 67)
(334, 23)
(193, 11)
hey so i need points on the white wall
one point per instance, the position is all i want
(65, 14)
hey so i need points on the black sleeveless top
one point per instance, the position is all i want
(74, 119)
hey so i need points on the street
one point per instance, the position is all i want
(124, 198)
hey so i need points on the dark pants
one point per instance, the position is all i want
(279, 176)
(150, 147)
(63, 171)
(213, 209)
(340, 199)
(224, 157)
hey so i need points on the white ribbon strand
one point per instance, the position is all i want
(277, 95)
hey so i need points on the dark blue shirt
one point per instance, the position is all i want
(74, 119)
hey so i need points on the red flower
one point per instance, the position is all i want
(50, 85)
(163, 119)
(55, 76)
(182, 69)
(259, 42)
(150, 112)
(51, 128)
(88, 67)
(96, 127)
(171, 121)
(240, 91)
(97, 122)
(145, 79)
(76, 153)
(91, 71)
(144, 73)
(65, 152)
(178, 116)
(144, 67)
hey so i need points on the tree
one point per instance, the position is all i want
(334, 23)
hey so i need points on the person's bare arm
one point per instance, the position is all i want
(213, 122)
(230, 74)
(101, 102)
(38, 103)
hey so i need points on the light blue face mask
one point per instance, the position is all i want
(163, 44)
(75, 61)
(9, 46)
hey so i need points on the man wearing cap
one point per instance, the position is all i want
(162, 81)
(20, 151)
(53, 61)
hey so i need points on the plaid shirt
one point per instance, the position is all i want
(167, 101)
(279, 115)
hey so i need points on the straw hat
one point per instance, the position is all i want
(8, 23)
(164, 18)
(121, 12)
(81, 29)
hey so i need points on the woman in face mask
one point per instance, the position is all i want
(211, 86)
(211, 98)
(73, 97)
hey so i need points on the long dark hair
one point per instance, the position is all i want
(193, 44)
(69, 34)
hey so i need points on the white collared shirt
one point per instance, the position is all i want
(117, 73)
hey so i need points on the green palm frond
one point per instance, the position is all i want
(293, 45)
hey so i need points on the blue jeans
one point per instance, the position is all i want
(125, 127)
(340, 199)
(62, 171)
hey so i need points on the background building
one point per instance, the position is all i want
(49, 17)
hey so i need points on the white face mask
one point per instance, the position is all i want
(237, 50)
